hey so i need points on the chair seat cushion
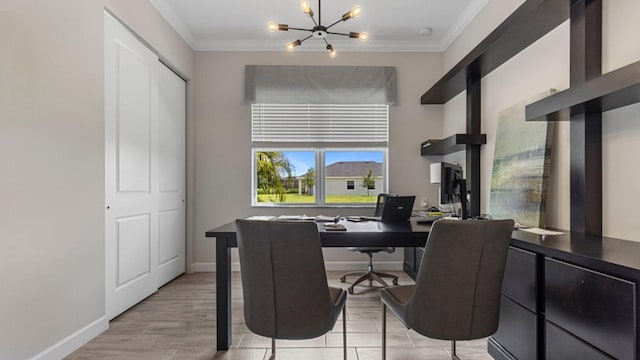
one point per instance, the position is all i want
(396, 298)
(337, 296)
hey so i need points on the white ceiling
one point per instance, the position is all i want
(393, 25)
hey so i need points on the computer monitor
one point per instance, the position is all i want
(453, 187)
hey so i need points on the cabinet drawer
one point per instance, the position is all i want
(595, 307)
(409, 257)
(520, 278)
(563, 346)
(518, 330)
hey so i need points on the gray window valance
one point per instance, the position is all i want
(269, 84)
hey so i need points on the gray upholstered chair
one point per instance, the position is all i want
(284, 283)
(370, 274)
(457, 291)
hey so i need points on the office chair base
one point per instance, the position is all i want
(371, 276)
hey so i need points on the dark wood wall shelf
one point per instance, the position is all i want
(610, 91)
(451, 144)
(528, 23)
(532, 20)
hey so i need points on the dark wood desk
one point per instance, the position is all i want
(367, 233)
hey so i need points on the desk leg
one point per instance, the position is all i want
(223, 294)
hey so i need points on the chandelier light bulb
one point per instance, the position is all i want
(292, 45)
(273, 26)
(362, 36)
(305, 6)
(332, 51)
(356, 11)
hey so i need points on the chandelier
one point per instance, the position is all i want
(320, 31)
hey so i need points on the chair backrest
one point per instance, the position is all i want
(458, 285)
(285, 290)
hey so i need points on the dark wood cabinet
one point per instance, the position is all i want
(570, 296)
(521, 278)
(409, 263)
(412, 260)
(519, 331)
(595, 307)
(517, 336)
(561, 345)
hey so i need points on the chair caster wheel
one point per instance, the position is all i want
(395, 281)
(343, 279)
(350, 290)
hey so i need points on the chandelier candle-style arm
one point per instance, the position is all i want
(299, 29)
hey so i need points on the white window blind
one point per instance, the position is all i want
(310, 123)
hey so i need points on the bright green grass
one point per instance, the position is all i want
(310, 199)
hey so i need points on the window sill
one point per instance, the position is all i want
(314, 206)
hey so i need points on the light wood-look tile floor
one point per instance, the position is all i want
(178, 323)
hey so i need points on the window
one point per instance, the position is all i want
(351, 184)
(309, 155)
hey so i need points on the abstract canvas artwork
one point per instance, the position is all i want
(521, 166)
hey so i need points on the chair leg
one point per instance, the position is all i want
(273, 349)
(344, 331)
(384, 331)
(454, 356)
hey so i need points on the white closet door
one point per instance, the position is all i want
(171, 194)
(131, 94)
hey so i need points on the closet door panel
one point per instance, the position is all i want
(131, 214)
(171, 160)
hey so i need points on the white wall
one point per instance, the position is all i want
(621, 127)
(545, 65)
(52, 180)
(482, 25)
(223, 140)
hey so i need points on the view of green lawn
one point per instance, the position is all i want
(331, 199)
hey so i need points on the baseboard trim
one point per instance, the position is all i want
(329, 265)
(203, 267)
(74, 341)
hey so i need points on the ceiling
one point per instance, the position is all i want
(393, 25)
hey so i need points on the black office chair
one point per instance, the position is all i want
(370, 274)
(457, 291)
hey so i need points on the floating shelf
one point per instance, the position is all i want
(610, 91)
(451, 144)
(528, 23)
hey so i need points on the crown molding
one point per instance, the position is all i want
(461, 23)
(174, 20)
(454, 31)
(341, 46)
